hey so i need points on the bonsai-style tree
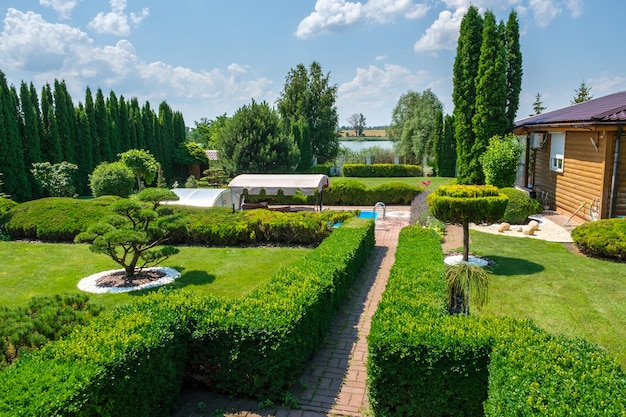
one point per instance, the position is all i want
(133, 235)
(465, 204)
(143, 165)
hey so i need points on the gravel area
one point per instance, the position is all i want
(548, 230)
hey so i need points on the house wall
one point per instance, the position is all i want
(583, 177)
(620, 207)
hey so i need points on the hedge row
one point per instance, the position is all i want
(424, 362)
(348, 192)
(381, 170)
(133, 361)
(61, 219)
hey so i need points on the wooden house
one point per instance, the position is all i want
(575, 158)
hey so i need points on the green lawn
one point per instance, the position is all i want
(561, 291)
(38, 269)
(375, 182)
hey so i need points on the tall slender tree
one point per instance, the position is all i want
(51, 143)
(85, 150)
(447, 164)
(11, 153)
(90, 113)
(31, 134)
(490, 117)
(113, 111)
(65, 120)
(437, 142)
(103, 128)
(514, 69)
(465, 71)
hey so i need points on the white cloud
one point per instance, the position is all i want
(574, 6)
(335, 15)
(62, 7)
(607, 83)
(544, 11)
(374, 91)
(442, 34)
(116, 21)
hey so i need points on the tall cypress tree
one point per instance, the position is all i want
(465, 71)
(514, 69)
(490, 117)
(85, 149)
(448, 149)
(437, 142)
(51, 150)
(165, 139)
(31, 128)
(103, 128)
(65, 121)
(94, 143)
(113, 110)
(11, 152)
(149, 120)
(137, 140)
(124, 125)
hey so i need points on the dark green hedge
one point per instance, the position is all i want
(61, 219)
(602, 239)
(381, 170)
(133, 361)
(424, 362)
(348, 192)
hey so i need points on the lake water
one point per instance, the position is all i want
(360, 145)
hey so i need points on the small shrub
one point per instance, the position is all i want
(603, 239)
(500, 160)
(381, 170)
(112, 179)
(6, 205)
(520, 206)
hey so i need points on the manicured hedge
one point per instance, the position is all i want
(133, 361)
(6, 205)
(424, 362)
(459, 204)
(381, 170)
(602, 239)
(520, 206)
(348, 192)
(61, 219)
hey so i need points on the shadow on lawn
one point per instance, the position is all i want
(187, 279)
(505, 266)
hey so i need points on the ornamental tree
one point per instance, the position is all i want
(133, 236)
(465, 204)
(143, 165)
(56, 179)
(500, 160)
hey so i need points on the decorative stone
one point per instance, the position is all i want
(504, 227)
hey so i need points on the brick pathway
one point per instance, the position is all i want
(334, 383)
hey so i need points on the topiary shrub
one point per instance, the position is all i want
(520, 206)
(500, 160)
(603, 239)
(112, 179)
(6, 205)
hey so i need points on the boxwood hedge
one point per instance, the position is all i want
(133, 361)
(424, 362)
(381, 170)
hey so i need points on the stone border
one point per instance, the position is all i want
(88, 284)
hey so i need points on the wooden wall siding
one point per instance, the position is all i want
(620, 207)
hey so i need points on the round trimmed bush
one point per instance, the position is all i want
(112, 179)
(602, 239)
(520, 206)
(459, 204)
(6, 204)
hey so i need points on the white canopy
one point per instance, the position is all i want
(203, 197)
(289, 183)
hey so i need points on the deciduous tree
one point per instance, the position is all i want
(142, 164)
(357, 121)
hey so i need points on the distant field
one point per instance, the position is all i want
(367, 134)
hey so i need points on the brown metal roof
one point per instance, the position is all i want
(607, 109)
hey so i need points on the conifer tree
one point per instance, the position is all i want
(84, 150)
(65, 121)
(11, 153)
(137, 140)
(514, 69)
(30, 134)
(90, 113)
(113, 111)
(437, 142)
(103, 127)
(124, 125)
(490, 117)
(465, 71)
(149, 121)
(51, 142)
(448, 149)
(583, 93)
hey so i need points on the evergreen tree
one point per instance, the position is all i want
(253, 141)
(51, 150)
(149, 121)
(165, 140)
(583, 93)
(309, 94)
(103, 128)
(65, 121)
(84, 150)
(465, 71)
(90, 113)
(30, 134)
(124, 129)
(447, 164)
(11, 153)
(514, 69)
(437, 142)
(180, 136)
(491, 94)
(136, 125)
(113, 111)
(538, 106)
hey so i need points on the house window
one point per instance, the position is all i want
(557, 150)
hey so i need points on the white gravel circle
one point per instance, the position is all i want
(88, 284)
(457, 259)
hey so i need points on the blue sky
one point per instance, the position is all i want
(207, 57)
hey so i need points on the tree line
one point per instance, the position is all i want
(49, 127)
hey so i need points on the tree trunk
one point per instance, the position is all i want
(465, 241)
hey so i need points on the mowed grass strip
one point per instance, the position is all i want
(563, 292)
(39, 269)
